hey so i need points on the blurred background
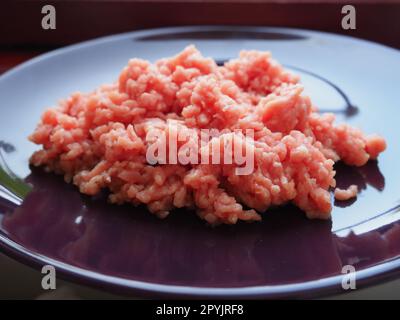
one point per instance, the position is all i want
(22, 37)
(377, 20)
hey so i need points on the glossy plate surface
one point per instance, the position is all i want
(127, 250)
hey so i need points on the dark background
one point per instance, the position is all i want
(20, 21)
(22, 37)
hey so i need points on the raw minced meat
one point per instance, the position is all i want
(346, 194)
(100, 139)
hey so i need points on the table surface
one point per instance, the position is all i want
(22, 282)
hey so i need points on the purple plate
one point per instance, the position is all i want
(129, 251)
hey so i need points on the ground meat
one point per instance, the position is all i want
(102, 139)
(346, 194)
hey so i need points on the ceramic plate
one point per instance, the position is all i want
(127, 250)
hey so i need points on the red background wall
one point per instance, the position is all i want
(22, 37)
(20, 21)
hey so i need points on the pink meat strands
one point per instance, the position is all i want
(99, 140)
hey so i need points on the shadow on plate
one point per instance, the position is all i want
(125, 241)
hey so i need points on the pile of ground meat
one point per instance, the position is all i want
(99, 140)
